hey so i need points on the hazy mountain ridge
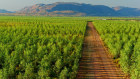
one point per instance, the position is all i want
(77, 9)
(127, 11)
(5, 11)
(73, 9)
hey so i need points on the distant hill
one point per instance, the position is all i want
(127, 11)
(69, 9)
(5, 11)
(75, 9)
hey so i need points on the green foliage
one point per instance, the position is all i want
(64, 74)
(29, 71)
(122, 38)
(40, 47)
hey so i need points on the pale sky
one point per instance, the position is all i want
(14, 5)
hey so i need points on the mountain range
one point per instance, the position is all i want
(76, 9)
(5, 11)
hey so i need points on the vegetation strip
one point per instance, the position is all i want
(40, 47)
(122, 39)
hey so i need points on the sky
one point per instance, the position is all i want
(14, 5)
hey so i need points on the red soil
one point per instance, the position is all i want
(95, 62)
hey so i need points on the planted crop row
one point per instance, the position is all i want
(123, 40)
(40, 48)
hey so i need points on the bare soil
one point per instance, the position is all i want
(96, 62)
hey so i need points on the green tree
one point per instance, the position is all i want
(29, 72)
(64, 73)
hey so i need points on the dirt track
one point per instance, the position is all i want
(95, 62)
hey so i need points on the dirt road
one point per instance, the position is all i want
(95, 62)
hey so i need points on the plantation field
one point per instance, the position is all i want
(52, 47)
(123, 40)
(40, 47)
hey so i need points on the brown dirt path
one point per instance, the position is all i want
(95, 62)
